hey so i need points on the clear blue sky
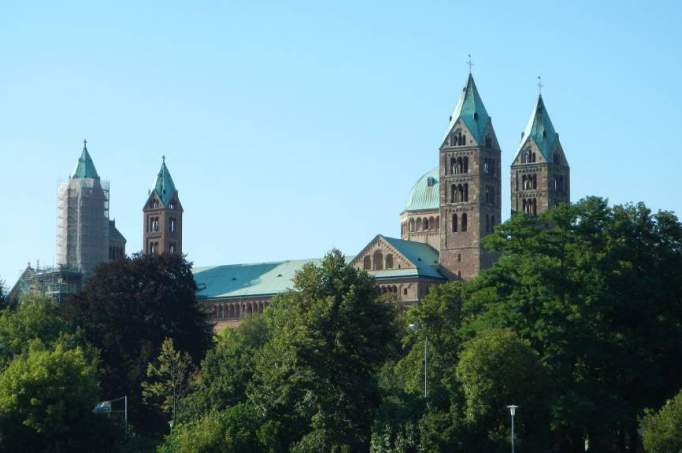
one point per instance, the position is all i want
(291, 128)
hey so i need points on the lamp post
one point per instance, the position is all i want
(512, 410)
(414, 328)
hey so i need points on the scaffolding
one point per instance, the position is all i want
(54, 282)
(82, 224)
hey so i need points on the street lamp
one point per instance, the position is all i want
(512, 410)
(414, 328)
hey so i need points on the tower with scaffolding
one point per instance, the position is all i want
(85, 236)
(83, 218)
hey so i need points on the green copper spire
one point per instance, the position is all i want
(471, 111)
(541, 131)
(85, 167)
(164, 186)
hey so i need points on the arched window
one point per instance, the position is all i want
(419, 224)
(367, 263)
(378, 261)
(535, 206)
(426, 224)
(535, 181)
(389, 261)
(464, 222)
(465, 166)
(454, 223)
(453, 193)
(411, 225)
(453, 165)
(432, 223)
(466, 192)
(437, 222)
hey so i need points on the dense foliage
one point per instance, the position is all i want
(579, 323)
(126, 310)
(48, 384)
(662, 430)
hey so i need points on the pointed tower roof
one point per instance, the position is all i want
(164, 186)
(85, 167)
(471, 110)
(540, 130)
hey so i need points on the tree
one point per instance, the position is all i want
(35, 318)
(227, 369)
(126, 309)
(46, 399)
(595, 291)
(662, 430)
(232, 430)
(168, 381)
(497, 368)
(315, 379)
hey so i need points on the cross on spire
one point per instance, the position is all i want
(85, 143)
(540, 85)
(469, 63)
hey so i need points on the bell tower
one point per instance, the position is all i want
(540, 175)
(470, 184)
(163, 216)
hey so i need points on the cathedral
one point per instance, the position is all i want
(448, 212)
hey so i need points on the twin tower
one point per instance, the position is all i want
(469, 184)
(87, 237)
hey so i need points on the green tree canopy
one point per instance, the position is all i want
(496, 369)
(167, 379)
(46, 399)
(35, 318)
(315, 379)
(596, 292)
(227, 369)
(662, 430)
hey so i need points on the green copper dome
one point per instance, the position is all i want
(85, 167)
(425, 194)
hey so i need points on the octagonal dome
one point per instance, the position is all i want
(425, 194)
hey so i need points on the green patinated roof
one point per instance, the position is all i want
(540, 130)
(423, 256)
(85, 167)
(425, 194)
(471, 110)
(247, 280)
(233, 281)
(164, 186)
